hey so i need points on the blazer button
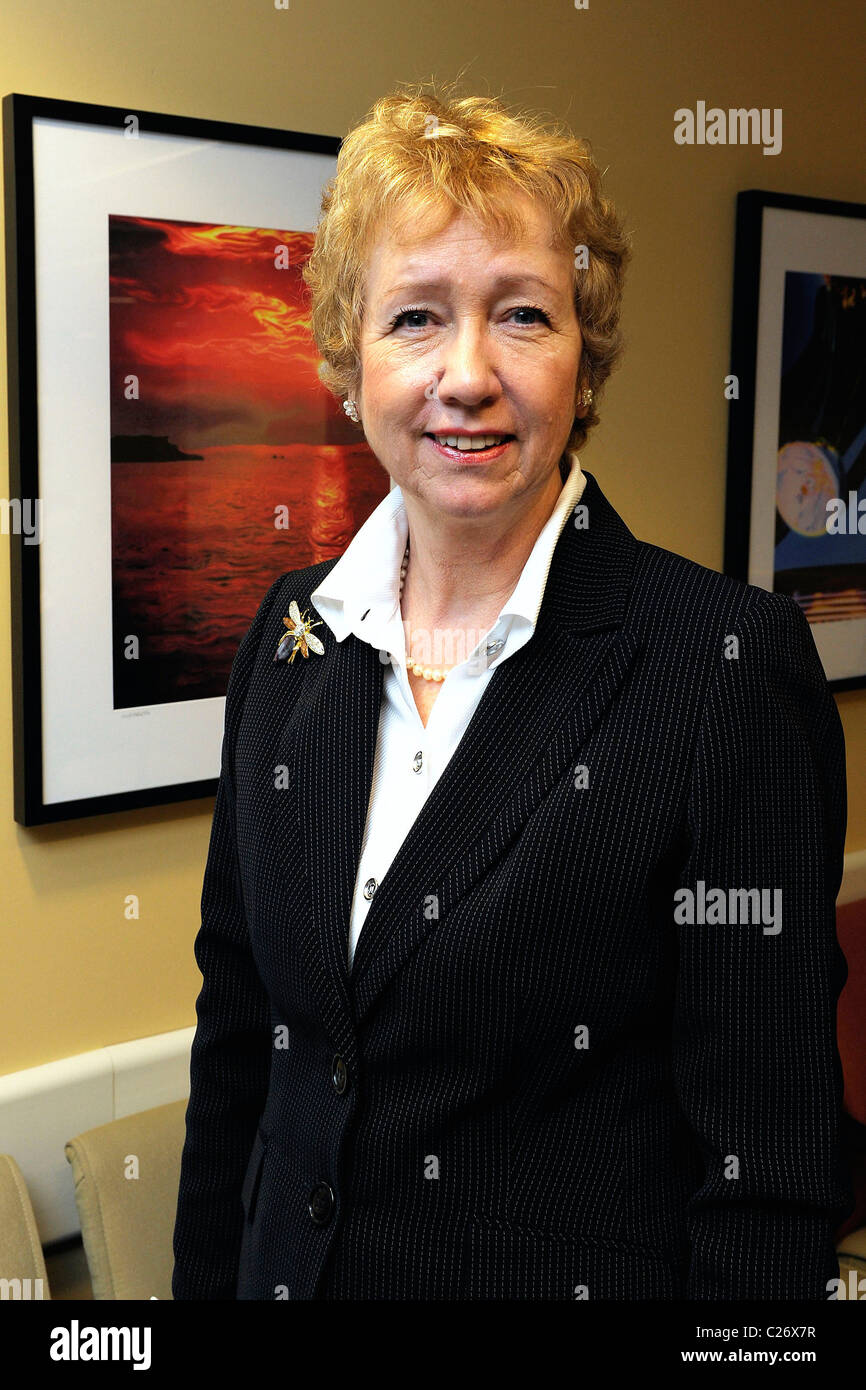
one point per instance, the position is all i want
(340, 1075)
(321, 1203)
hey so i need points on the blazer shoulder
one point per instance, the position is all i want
(675, 594)
(298, 584)
(292, 584)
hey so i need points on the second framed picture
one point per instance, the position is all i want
(796, 496)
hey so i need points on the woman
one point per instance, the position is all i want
(518, 939)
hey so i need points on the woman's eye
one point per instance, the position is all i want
(405, 315)
(409, 314)
(532, 309)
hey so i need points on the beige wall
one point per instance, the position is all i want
(76, 975)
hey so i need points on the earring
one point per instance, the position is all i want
(585, 397)
(351, 410)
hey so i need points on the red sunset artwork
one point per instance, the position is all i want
(230, 462)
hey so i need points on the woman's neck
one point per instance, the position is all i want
(459, 576)
(462, 570)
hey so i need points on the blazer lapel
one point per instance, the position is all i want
(330, 741)
(538, 708)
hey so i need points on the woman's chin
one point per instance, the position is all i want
(473, 493)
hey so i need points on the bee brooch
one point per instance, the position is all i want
(298, 633)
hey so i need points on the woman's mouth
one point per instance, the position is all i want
(478, 447)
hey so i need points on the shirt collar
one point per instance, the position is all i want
(364, 584)
(525, 599)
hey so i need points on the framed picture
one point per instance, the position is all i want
(172, 448)
(796, 488)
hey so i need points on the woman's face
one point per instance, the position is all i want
(464, 334)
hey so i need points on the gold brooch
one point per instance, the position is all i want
(299, 632)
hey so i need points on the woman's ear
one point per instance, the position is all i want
(583, 402)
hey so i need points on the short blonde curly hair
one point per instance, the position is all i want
(419, 158)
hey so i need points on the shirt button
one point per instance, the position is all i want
(340, 1075)
(369, 888)
(494, 647)
(321, 1203)
(419, 761)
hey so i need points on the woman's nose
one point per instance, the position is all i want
(468, 363)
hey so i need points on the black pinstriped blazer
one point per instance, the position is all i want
(535, 1083)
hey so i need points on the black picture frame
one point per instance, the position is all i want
(781, 241)
(214, 143)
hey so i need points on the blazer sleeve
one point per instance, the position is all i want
(231, 1051)
(755, 1057)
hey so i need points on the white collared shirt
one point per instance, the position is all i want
(360, 595)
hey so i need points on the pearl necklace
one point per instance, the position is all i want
(427, 673)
